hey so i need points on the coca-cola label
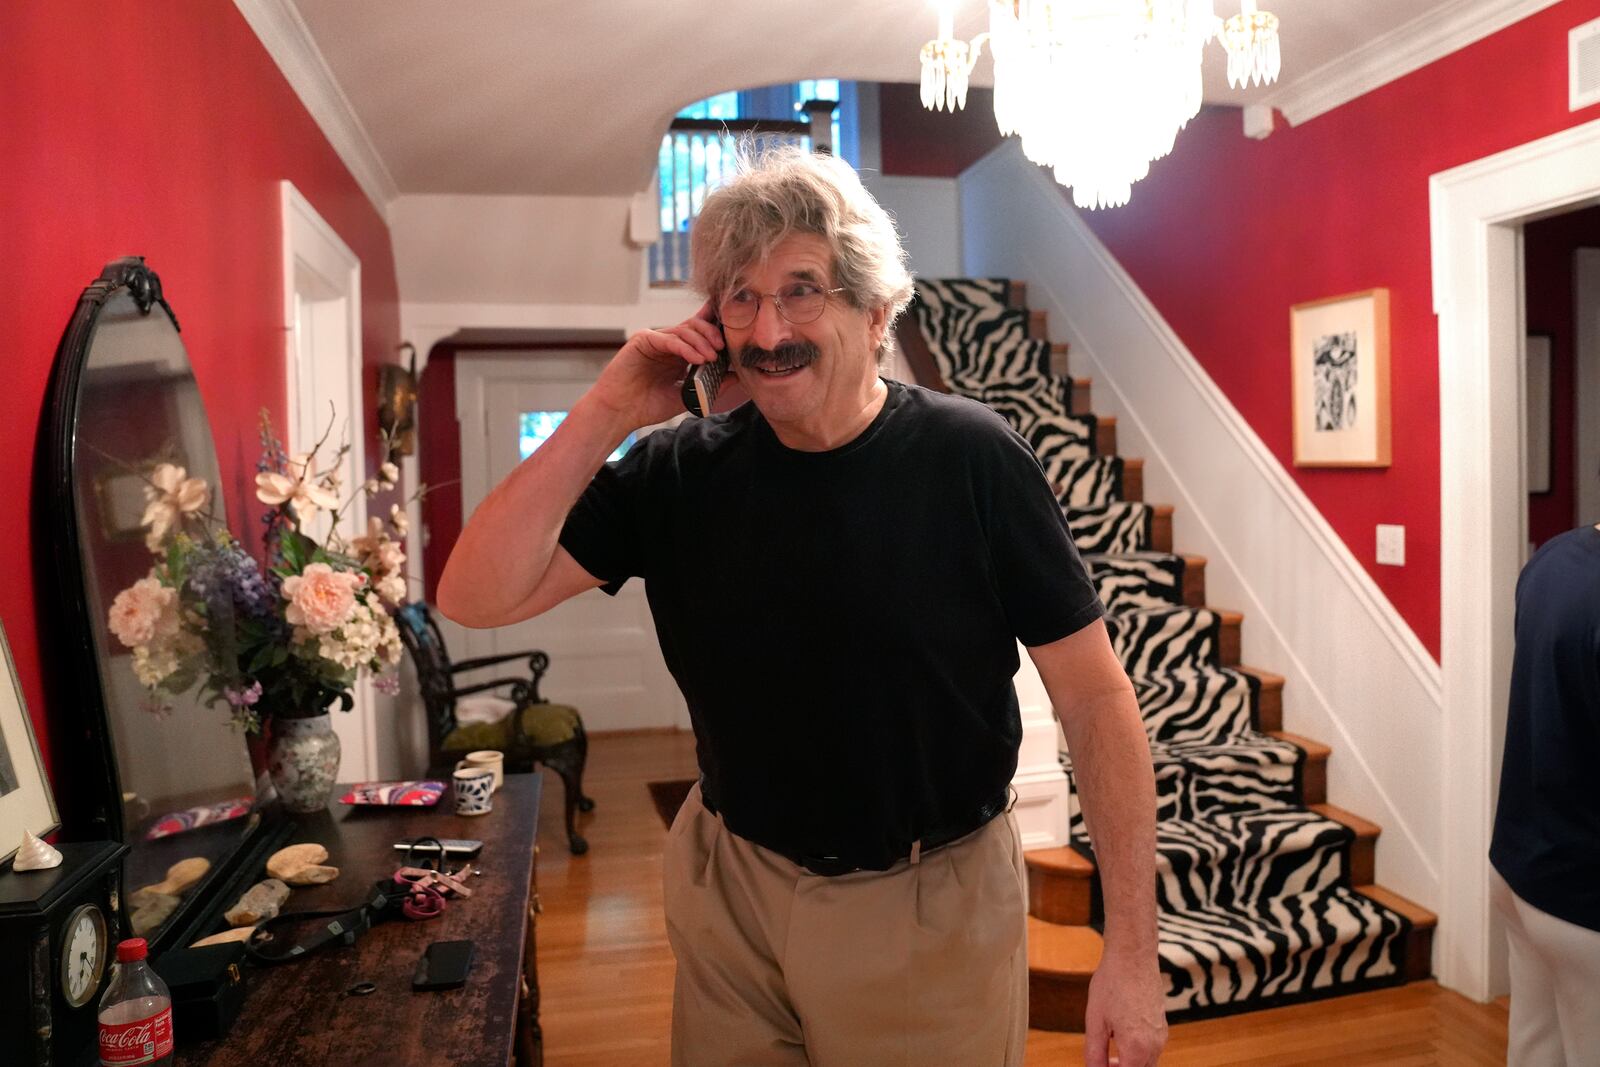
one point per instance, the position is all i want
(144, 1041)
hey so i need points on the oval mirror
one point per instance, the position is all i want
(168, 775)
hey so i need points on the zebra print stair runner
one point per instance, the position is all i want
(1254, 890)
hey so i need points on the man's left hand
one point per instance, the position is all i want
(1125, 1003)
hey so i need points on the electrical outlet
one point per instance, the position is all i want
(1392, 545)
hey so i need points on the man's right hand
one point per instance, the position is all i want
(641, 385)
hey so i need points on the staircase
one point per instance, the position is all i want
(1266, 893)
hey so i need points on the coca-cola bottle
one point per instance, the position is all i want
(136, 1012)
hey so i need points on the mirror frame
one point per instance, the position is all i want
(91, 802)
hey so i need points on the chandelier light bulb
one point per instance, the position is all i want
(1097, 89)
(1251, 40)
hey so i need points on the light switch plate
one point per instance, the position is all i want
(1392, 545)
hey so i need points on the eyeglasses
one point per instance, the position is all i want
(798, 302)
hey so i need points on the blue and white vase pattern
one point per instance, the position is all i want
(303, 760)
(474, 791)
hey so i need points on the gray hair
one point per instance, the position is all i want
(784, 191)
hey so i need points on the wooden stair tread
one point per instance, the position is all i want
(1364, 829)
(1314, 750)
(1060, 862)
(1267, 679)
(1062, 951)
(1415, 913)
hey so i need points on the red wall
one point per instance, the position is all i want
(1549, 246)
(1226, 234)
(159, 130)
(916, 142)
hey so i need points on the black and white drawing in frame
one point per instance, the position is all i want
(1336, 368)
(1340, 380)
(25, 799)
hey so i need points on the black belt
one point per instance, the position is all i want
(833, 866)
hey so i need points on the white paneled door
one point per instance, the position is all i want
(604, 656)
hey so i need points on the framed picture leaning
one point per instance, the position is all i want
(25, 799)
(1339, 368)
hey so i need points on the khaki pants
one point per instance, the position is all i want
(923, 964)
(1555, 985)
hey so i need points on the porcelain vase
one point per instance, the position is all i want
(303, 759)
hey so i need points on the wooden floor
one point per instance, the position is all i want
(605, 969)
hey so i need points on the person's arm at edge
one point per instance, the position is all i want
(1116, 786)
(508, 565)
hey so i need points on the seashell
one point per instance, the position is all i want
(181, 877)
(260, 902)
(301, 865)
(238, 933)
(35, 855)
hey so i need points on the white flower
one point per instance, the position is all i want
(298, 489)
(371, 487)
(392, 588)
(169, 496)
(400, 520)
(389, 475)
(152, 665)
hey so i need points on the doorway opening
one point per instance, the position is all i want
(322, 323)
(1479, 212)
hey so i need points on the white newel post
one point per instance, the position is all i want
(1043, 797)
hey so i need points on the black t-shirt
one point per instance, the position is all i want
(843, 624)
(1547, 826)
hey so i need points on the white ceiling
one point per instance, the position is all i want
(570, 97)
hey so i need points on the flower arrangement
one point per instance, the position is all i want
(288, 638)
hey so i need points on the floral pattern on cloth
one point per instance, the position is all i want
(178, 822)
(395, 794)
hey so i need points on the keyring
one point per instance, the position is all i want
(412, 860)
(423, 903)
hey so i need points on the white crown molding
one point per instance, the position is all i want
(1426, 38)
(288, 41)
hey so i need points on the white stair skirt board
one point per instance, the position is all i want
(1043, 796)
(1477, 214)
(1356, 676)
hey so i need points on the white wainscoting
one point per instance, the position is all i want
(927, 212)
(1357, 677)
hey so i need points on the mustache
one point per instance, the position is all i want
(786, 356)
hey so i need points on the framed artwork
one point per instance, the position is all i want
(1339, 352)
(122, 503)
(25, 799)
(1537, 398)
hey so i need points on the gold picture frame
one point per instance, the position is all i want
(1339, 371)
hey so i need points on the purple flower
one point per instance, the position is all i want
(388, 684)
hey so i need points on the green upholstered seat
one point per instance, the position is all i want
(544, 725)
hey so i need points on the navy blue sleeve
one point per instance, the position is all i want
(1042, 582)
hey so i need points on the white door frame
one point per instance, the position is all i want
(1586, 353)
(1477, 214)
(320, 267)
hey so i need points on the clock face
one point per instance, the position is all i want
(83, 955)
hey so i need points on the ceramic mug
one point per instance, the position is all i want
(495, 761)
(474, 790)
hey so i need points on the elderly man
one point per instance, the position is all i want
(840, 571)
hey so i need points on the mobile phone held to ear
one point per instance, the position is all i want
(704, 379)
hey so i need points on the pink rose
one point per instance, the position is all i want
(142, 611)
(321, 598)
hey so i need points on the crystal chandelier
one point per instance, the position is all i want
(1097, 89)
